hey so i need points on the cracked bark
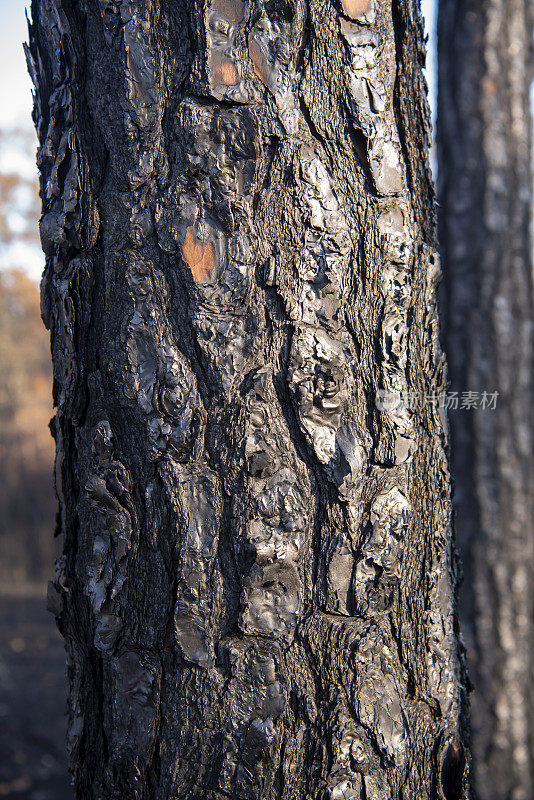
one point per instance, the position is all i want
(257, 590)
(484, 135)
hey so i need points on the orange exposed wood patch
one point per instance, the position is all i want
(355, 8)
(490, 87)
(226, 73)
(199, 257)
(257, 60)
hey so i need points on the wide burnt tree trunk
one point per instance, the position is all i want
(484, 133)
(257, 589)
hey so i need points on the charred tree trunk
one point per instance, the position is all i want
(257, 590)
(485, 64)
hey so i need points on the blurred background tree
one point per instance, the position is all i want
(485, 192)
(27, 502)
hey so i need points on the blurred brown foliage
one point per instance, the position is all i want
(27, 500)
(21, 196)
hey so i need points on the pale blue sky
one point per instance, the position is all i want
(429, 8)
(15, 87)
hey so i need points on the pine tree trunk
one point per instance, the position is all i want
(258, 588)
(486, 68)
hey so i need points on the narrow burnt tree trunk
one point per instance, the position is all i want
(257, 590)
(486, 68)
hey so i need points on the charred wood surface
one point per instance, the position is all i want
(258, 588)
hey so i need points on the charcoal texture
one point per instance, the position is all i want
(258, 584)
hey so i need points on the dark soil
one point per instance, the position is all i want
(33, 762)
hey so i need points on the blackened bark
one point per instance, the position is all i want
(257, 591)
(484, 133)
